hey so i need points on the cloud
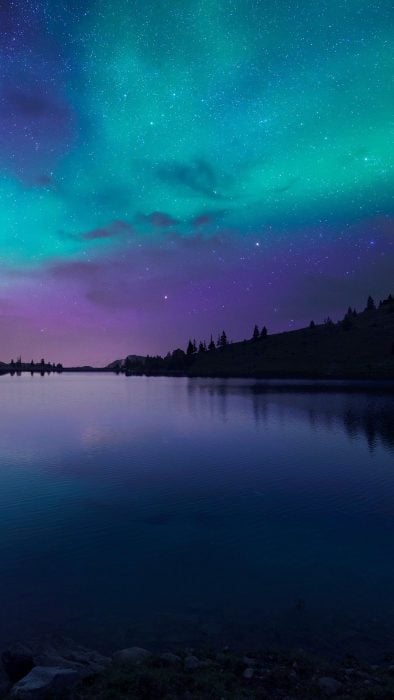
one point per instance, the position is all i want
(145, 272)
(198, 176)
(157, 218)
(207, 218)
(42, 180)
(33, 105)
(113, 230)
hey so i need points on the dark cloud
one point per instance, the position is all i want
(198, 176)
(42, 180)
(157, 218)
(116, 228)
(32, 104)
(113, 230)
(203, 220)
(207, 218)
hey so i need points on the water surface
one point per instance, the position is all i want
(164, 512)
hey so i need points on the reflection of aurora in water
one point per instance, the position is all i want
(168, 168)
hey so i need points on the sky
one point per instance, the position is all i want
(173, 168)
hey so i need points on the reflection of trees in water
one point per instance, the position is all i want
(375, 423)
(368, 413)
(207, 395)
(357, 414)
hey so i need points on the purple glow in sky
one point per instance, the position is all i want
(169, 170)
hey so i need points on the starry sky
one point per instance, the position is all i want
(170, 168)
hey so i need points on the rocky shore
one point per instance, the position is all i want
(50, 669)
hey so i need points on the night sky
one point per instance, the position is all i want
(170, 168)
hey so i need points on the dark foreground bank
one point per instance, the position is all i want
(49, 669)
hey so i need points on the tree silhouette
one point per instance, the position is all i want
(211, 345)
(312, 324)
(347, 322)
(190, 348)
(223, 340)
(371, 306)
(264, 332)
(256, 333)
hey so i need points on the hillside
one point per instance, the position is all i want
(362, 348)
(117, 364)
(359, 346)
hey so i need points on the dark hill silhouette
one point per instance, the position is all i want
(361, 345)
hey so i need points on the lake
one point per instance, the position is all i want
(171, 511)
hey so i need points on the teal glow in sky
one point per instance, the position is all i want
(171, 168)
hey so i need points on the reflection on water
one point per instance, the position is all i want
(171, 511)
(362, 408)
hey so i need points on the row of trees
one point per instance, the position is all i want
(222, 342)
(42, 366)
(347, 321)
(179, 360)
(371, 306)
(193, 348)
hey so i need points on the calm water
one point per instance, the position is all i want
(161, 512)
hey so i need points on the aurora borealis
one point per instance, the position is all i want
(169, 168)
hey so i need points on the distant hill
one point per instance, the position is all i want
(359, 346)
(120, 364)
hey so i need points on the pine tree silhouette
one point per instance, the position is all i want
(223, 340)
(371, 306)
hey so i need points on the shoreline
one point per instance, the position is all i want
(59, 668)
(264, 376)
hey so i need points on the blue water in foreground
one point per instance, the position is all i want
(164, 512)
